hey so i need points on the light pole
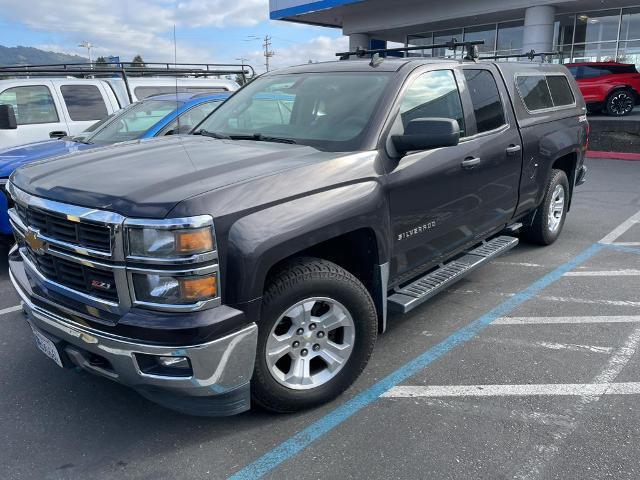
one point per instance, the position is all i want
(88, 46)
(268, 53)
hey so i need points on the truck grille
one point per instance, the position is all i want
(81, 278)
(87, 235)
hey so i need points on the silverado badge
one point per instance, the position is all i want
(32, 238)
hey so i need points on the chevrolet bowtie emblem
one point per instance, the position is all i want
(32, 238)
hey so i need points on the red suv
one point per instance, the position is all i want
(610, 87)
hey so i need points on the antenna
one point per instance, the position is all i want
(175, 65)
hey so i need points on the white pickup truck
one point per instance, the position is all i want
(45, 107)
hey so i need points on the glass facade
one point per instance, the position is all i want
(593, 36)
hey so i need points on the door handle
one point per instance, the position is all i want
(471, 162)
(513, 149)
(57, 134)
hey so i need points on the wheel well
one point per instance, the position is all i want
(356, 252)
(567, 164)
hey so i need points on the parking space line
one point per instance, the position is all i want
(560, 320)
(621, 229)
(622, 248)
(548, 389)
(10, 309)
(627, 244)
(603, 273)
(573, 347)
(534, 466)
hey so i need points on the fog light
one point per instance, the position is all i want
(164, 366)
(174, 362)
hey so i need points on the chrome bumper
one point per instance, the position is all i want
(220, 367)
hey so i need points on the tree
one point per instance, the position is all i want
(101, 62)
(138, 62)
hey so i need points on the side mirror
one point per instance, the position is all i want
(7, 118)
(427, 133)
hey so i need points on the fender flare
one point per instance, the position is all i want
(258, 241)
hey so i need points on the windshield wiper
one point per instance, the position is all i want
(206, 133)
(258, 137)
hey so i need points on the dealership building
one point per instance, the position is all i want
(580, 30)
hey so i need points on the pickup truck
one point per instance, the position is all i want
(257, 261)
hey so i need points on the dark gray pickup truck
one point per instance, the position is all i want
(257, 260)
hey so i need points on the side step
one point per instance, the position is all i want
(410, 296)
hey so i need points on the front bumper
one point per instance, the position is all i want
(221, 368)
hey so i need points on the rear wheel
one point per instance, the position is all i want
(316, 335)
(552, 212)
(620, 103)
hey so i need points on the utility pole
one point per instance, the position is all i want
(88, 46)
(268, 53)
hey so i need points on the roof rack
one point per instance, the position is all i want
(530, 55)
(469, 47)
(127, 69)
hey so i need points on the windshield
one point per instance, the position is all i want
(133, 122)
(329, 111)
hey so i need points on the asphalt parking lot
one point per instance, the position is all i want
(526, 369)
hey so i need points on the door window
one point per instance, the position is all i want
(84, 102)
(32, 104)
(192, 117)
(433, 94)
(487, 105)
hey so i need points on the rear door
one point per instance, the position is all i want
(83, 103)
(38, 111)
(498, 147)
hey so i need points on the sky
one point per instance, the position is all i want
(206, 30)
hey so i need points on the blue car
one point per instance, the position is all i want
(155, 116)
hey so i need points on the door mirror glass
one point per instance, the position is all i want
(7, 118)
(427, 133)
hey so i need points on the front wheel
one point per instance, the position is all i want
(552, 212)
(316, 335)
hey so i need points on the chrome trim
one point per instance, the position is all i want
(74, 213)
(198, 221)
(219, 366)
(69, 292)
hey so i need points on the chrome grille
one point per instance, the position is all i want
(81, 278)
(57, 227)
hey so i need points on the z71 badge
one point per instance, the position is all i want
(416, 231)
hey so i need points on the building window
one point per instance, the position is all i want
(483, 32)
(444, 37)
(563, 29)
(630, 27)
(597, 26)
(485, 98)
(629, 52)
(510, 38)
(594, 52)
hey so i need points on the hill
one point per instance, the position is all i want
(29, 55)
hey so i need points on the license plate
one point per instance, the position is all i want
(47, 347)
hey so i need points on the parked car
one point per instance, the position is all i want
(258, 259)
(44, 108)
(155, 116)
(609, 87)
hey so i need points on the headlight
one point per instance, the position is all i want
(171, 239)
(167, 289)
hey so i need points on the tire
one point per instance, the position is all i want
(620, 102)
(544, 231)
(322, 290)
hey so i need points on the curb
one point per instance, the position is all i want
(613, 155)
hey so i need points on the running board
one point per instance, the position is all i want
(410, 296)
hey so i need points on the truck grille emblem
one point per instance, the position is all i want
(32, 238)
(100, 285)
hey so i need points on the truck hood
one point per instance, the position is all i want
(148, 178)
(14, 157)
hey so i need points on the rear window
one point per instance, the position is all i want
(84, 102)
(534, 92)
(561, 93)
